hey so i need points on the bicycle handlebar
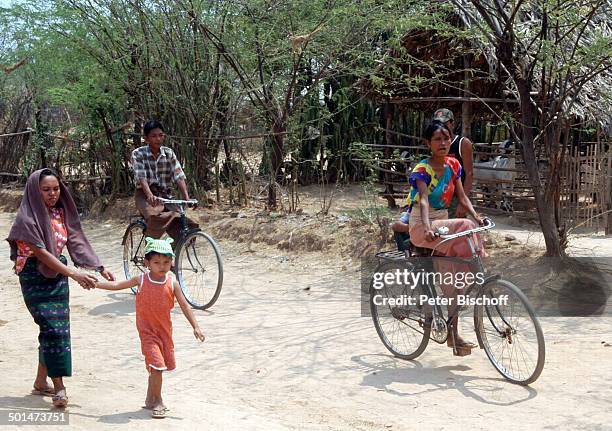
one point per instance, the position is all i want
(488, 224)
(178, 201)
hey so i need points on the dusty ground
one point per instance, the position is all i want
(287, 349)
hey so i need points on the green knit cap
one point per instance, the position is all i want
(161, 246)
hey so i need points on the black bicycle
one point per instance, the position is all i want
(198, 266)
(408, 315)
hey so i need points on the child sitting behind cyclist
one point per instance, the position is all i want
(154, 300)
(401, 229)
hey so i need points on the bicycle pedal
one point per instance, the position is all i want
(425, 323)
(462, 351)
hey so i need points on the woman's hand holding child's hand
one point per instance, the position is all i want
(107, 275)
(85, 280)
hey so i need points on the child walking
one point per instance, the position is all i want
(154, 300)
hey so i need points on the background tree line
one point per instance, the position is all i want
(85, 74)
(95, 70)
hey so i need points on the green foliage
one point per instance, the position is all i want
(206, 69)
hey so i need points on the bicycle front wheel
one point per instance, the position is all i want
(509, 331)
(199, 269)
(133, 251)
(402, 326)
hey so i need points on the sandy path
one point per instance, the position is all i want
(278, 357)
(580, 244)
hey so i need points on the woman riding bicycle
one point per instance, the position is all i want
(434, 181)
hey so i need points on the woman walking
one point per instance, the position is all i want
(48, 221)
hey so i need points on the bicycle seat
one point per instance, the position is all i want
(416, 251)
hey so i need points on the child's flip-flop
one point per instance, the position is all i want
(158, 413)
(151, 408)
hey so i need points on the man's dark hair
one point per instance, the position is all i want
(152, 124)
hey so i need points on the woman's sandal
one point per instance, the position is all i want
(60, 400)
(464, 344)
(45, 392)
(158, 413)
(463, 348)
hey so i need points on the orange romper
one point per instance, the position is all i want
(154, 300)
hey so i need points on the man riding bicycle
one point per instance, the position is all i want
(156, 171)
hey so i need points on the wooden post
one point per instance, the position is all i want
(466, 106)
(388, 151)
(608, 192)
(218, 194)
(606, 186)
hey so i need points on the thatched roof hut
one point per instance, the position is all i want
(435, 67)
(452, 63)
(433, 70)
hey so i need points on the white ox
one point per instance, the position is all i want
(491, 170)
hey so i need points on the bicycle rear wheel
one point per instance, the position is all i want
(403, 328)
(510, 333)
(199, 269)
(133, 251)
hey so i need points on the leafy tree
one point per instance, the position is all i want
(557, 56)
(283, 52)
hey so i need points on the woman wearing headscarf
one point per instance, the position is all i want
(48, 221)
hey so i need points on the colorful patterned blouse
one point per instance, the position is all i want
(61, 236)
(441, 190)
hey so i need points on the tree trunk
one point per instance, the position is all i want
(40, 131)
(276, 159)
(466, 107)
(544, 204)
(137, 136)
(389, 112)
(203, 160)
(529, 115)
(116, 168)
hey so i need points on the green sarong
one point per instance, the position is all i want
(47, 301)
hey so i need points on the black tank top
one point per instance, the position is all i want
(455, 151)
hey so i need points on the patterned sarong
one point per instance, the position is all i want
(47, 302)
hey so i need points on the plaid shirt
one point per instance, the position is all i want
(165, 171)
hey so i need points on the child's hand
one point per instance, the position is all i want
(198, 334)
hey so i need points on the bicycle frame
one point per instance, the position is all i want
(181, 210)
(475, 266)
(425, 311)
(183, 221)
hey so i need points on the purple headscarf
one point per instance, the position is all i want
(33, 225)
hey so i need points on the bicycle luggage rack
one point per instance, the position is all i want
(413, 251)
(393, 255)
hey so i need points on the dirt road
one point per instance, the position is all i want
(286, 349)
